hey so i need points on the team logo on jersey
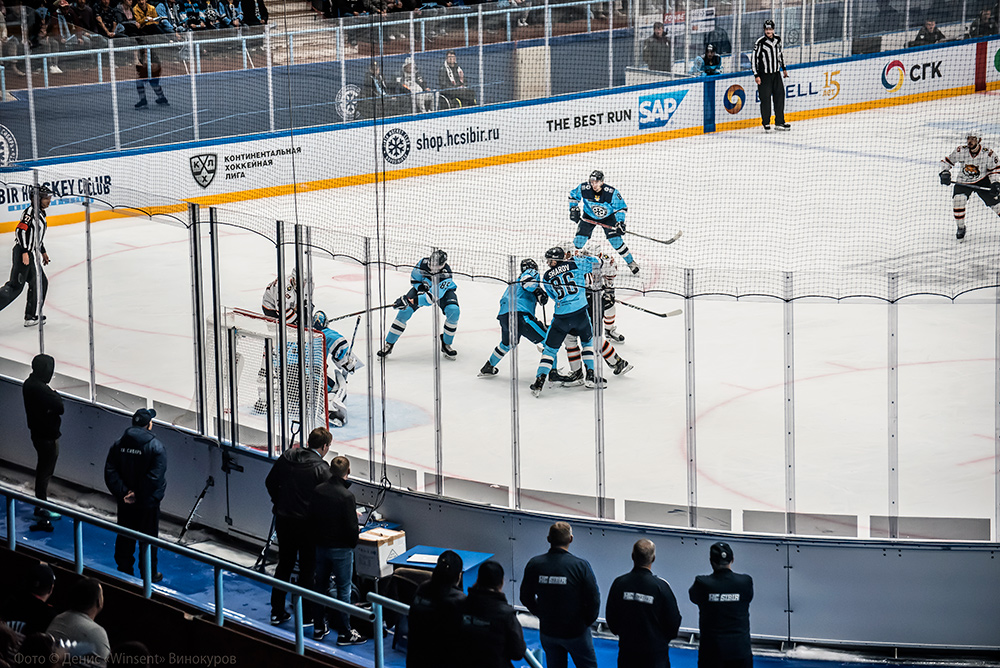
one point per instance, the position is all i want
(734, 99)
(971, 171)
(203, 168)
(347, 101)
(395, 146)
(893, 75)
(655, 111)
(8, 147)
(600, 211)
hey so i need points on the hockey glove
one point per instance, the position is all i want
(608, 300)
(423, 288)
(541, 297)
(401, 303)
(574, 214)
(621, 227)
(995, 186)
(945, 178)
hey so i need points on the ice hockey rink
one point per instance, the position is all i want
(751, 206)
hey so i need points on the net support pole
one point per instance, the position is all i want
(218, 320)
(234, 426)
(30, 87)
(893, 409)
(198, 313)
(269, 57)
(514, 497)
(192, 75)
(691, 411)
(87, 202)
(315, 375)
(482, 69)
(789, 358)
(996, 420)
(600, 471)
(738, 51)
(845, 40)
(305, 424)
(436, 357)
(269, 389)
(370, 359)
(611, 43)
(281, 353)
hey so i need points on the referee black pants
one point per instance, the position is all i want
(771, 86)
(20, 275)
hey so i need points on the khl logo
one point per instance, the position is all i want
(203, 168)
(395, 146)
(655, 110)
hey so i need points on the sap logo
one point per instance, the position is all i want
(655, 110)
(919, 72)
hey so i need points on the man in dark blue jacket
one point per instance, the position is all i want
(723, 600)
(136, 474)
(561, 590)
(44, 408)
(489, 634)
(642, 612)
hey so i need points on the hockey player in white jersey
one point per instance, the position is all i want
(270, 303)
(978, 174)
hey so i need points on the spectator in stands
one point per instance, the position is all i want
(9, 46)
(290, 484)
(928, 34)
(333, 515)
(86, 600)
(723, 600)
(656, 50)
(81, 15)
(172, 19)
(435, 616)
(376, 99)
(230, 14)
(409, 81)
(720, 38)
(451, 82)
(708, 64)
(194, 17)
(983, 25)
(43, 408)
(109, 20)
(129, 24)
(29, 604)
(136, 475)
(489, 635)
(40, 649)
(45, 38)
(561, 590)
(146, 18)
(151, 76)
(642, 612)
(9, 642)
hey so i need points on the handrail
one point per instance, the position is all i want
(145, 541)
(378, 602)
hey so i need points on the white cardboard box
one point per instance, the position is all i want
(375, 548)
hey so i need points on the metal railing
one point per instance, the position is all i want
(146, 541)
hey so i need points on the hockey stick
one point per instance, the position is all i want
(370, 310)
(971, 186)
(665, 242)
(646, 310)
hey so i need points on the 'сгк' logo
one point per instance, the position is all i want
(889, 74)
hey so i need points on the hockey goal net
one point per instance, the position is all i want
(258, 411)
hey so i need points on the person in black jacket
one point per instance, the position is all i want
(44, 408)
(434, 617)
(723, 600)
(561, 590)
(290, 484)
(30, 603)
(136, 475)
(489, 635)
(642, 612)
(333, 513)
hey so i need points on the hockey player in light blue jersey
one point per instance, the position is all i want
(527, 292)
(425, 273)
(565, 282)
(601, 205)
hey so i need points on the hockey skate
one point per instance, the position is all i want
(446, 350)
(622, 367)
(590, 380)
(634, 266)
(613, 335)
(386, 350)
(960, 234)
(488, 371)
(538, 385)
(782, 127)
(572, 379)
(31, 322)
(767, 128)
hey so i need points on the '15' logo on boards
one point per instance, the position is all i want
(656, 110)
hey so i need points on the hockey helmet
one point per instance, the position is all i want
(319, 320)
(42, 191)
(527, 263)
(597, 175)
(437, 260)
(555, 253)
(973, 133)
(769, 24)
(709, 47)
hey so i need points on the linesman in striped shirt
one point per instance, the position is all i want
(767, 60)
(24, 269)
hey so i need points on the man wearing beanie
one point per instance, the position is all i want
(561, 590)
(723, 600)
(136, 474)
(44, 408)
